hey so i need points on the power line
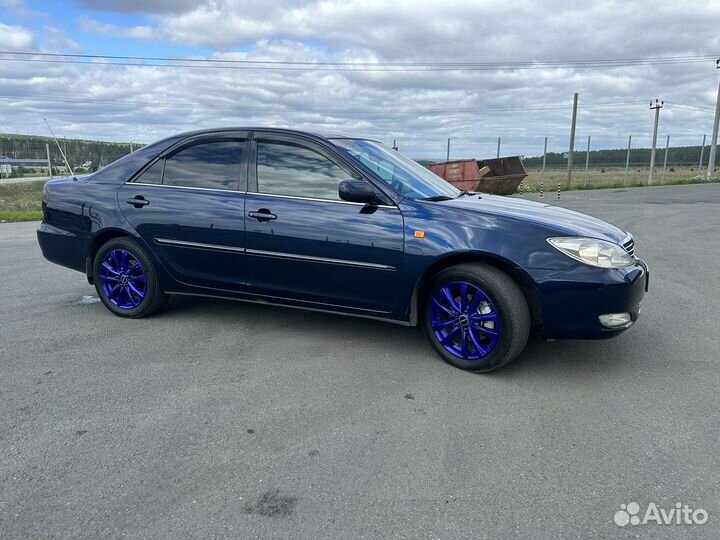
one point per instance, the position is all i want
(380, 109)
(690, 107)
(283, 65)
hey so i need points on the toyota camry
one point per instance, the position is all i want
(344, 225)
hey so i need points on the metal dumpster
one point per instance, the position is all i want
(504, 177)
(463, 174)
(499, 176)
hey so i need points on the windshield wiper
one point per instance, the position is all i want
(465, 193)
(435, 198)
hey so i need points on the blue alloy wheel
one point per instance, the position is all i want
(123, 279)
(465, 320)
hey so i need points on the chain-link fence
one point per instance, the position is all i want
(23, 156)
(599, 167)
(618, 167)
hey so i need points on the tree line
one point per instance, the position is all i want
(100, 153)
(79, 152)
(688, 155)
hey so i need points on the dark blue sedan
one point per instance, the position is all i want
(342, 225)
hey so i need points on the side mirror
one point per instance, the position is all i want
(359, 191)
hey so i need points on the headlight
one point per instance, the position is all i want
(593, 251)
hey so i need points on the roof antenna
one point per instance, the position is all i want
(61, 151)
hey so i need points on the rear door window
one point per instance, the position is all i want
(208, 165)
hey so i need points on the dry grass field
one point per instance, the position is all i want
(607, 177)
(21, 202)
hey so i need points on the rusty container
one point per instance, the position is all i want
(463, 174)
(499, 176)
(504, 177)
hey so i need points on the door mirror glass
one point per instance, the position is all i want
(358, 191)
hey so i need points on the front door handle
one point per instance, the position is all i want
(138, 201)
(262, 215)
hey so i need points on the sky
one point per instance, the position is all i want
(412, 71)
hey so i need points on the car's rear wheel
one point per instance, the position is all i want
(476, 317)
(126, 280)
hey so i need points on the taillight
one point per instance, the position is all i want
(44, 199)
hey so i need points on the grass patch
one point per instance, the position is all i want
(22, 201)
(604, 179)
(10, 216)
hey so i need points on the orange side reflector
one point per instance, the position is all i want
(419, 234)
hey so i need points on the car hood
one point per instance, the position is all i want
(562, 220)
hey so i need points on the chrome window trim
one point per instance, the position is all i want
(199, 245)
(185, 187)
(279, 196)
(310, 258)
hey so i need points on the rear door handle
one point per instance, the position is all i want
(138, 201)
(262, 215)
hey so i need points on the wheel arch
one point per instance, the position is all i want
(98, 240)
(517, 274)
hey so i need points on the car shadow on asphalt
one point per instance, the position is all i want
(265, 317)
(566, 359)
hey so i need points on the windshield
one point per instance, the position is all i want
(404, 175)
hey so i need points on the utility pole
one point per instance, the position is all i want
(448, 150)
(498, 151)
(656, 108)
(713, 139)
(572, 140)
(702, 151)
(667, 145)
(47, 149)
(627, 159)
(394, 146)
(544, 157)
(587, 162)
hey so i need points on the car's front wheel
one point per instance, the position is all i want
(126, 280)
(476, 317)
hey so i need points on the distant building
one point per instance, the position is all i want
(40, 164)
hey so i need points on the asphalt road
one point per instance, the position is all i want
(220, 420)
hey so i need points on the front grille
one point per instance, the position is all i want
(629, 245)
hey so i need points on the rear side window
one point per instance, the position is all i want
(153, 175)
(210, 165)
(289, 169)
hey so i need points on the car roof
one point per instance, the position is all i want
(289, 131)
(123, 168)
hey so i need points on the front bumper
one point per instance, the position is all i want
(573, 300)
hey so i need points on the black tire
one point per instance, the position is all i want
(509, 302)
(153, 300)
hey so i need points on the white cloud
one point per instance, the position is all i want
(420, 109)
(136, 6)
(56, 40)
(15, 38)
(134, 32)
